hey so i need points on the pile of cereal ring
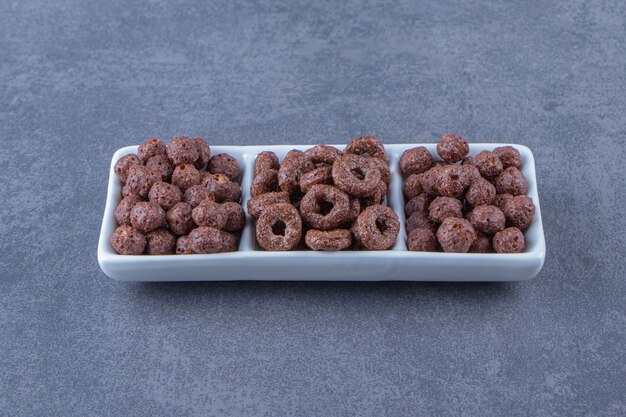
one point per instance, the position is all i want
(324, 199)
(479, 205)
(177, 198)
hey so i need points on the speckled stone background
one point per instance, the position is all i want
(79, 79)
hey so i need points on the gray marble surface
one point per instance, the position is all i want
(79, 79)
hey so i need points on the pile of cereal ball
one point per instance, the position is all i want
(329, 199)
(177, 199)
(479, 205)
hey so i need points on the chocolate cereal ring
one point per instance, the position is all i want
(383, 167)
(356, 175)
(294, 165)
(321, 175)
(265, 181)
(257, 204)
(366, 146)
(325, 207)
(377, 227)
(279, 228)
(321, 155)
(330, 240)
(377, 198)
(265, 160)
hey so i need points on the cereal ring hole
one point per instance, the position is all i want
(381, 225)
(358, 173)
(279, 228)
(326, 207)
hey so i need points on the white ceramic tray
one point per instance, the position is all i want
(253, 263)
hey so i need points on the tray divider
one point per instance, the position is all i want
(246, 242)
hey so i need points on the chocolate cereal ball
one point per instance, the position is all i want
(451, 181)
(509, 240)
(265, 160)
(420, 220)
(186, 176)
(452, 147)
(197, 194)
(204, 153)
(140, 180)
(502, 200)
(122, 166)
(264, 182)
(415, 161)
(257, 204)
(210, 214)
(183, 246)
(509, 156)
(421, 240)
(519, 211)
(182, 150)
(160, 242)
(366, 146)
(122, 211)
(443, 207)
(487, 219)
(224, 164)
(511, 181)
(470, 172)
(206, 240)
(482, 244)
(179, 219)
(376, 228)
(125, 240)
(279, 228)
(147, 216)
(413, 186)
(236, 217)
(330, 240)
(418, 203)
(430, 179)
(165, 195)
(480, 192)
(149, 148)
(161, 165)
(488, 164)
(223, 188)
(456, 235)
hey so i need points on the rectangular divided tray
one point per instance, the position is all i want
(251, 262)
